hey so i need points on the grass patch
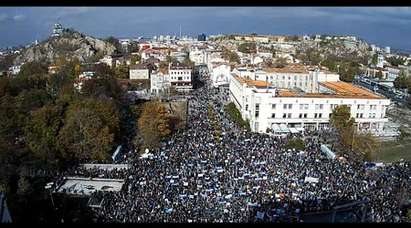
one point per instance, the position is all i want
(392, 151)
(235, 115)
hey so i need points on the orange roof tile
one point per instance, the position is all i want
(341, 89)
(249, 82)
(348, 89)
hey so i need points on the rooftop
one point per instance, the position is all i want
(341, 90)
(249, 82)
(291, 68)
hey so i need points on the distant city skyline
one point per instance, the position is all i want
(383, 26)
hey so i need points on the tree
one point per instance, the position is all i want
(374, 59)
(249, 48)
(379, 75)
(24, 187)
(41, 133)
(115, 42)
(4, 86)
(342, 121)
(31, 68)
(121, 71)
(187, 61)
(402, 81)
(365, 144)
(295, 143)
(85, 135)
(280, 62)
(231, 56)
(396, 61)
(154, 123)
(135, 59)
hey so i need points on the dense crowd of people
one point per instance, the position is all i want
(214, 171)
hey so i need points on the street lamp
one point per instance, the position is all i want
(48, 187)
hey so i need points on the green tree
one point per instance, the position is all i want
(295, 143)
(31, 68)
(374, 59)
(24, 187)
(41, 133)
(342, 121)
(4, 86)
(115, 42)
(122, 71)
(280, 62)
(396, 61)
(249, 47)
(231, 56)
(402, 81)
(135, 59)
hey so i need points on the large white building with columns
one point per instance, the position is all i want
(280, 109)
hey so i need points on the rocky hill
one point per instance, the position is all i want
(70, 44)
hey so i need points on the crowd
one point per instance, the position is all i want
(218, 172)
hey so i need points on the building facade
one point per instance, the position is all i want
(269, 109)
(181, 77)
(139, 71)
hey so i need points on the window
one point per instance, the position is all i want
(301, 106)
(257, 114)
(289, 116)
(306, 106)
(358, 114)
(285, 106)
(320, 115)
(317, 106)
(246, 107)
(273, 106)
(315, 115)
(329, 115)
(290, 106)
(284, 116)
(273, 115)
(257, 107)
(300, 116)
(361, 115)
(321, 106)
(305, 115)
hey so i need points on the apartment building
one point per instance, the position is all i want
(181, 76)
(293, 76)
(282, 110)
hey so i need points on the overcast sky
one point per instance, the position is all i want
(385, 26)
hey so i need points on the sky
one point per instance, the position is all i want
(384, 26)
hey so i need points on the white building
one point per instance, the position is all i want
(279, 110)
(139, 71)
(387, 50)
(290, 77)
(108, 60)
(14, 70)
(84, 76)
(221, 75)
(380, 61)
(159, 82)
(393, 72)
(180, 77)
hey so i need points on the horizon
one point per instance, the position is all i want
(382, 26)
